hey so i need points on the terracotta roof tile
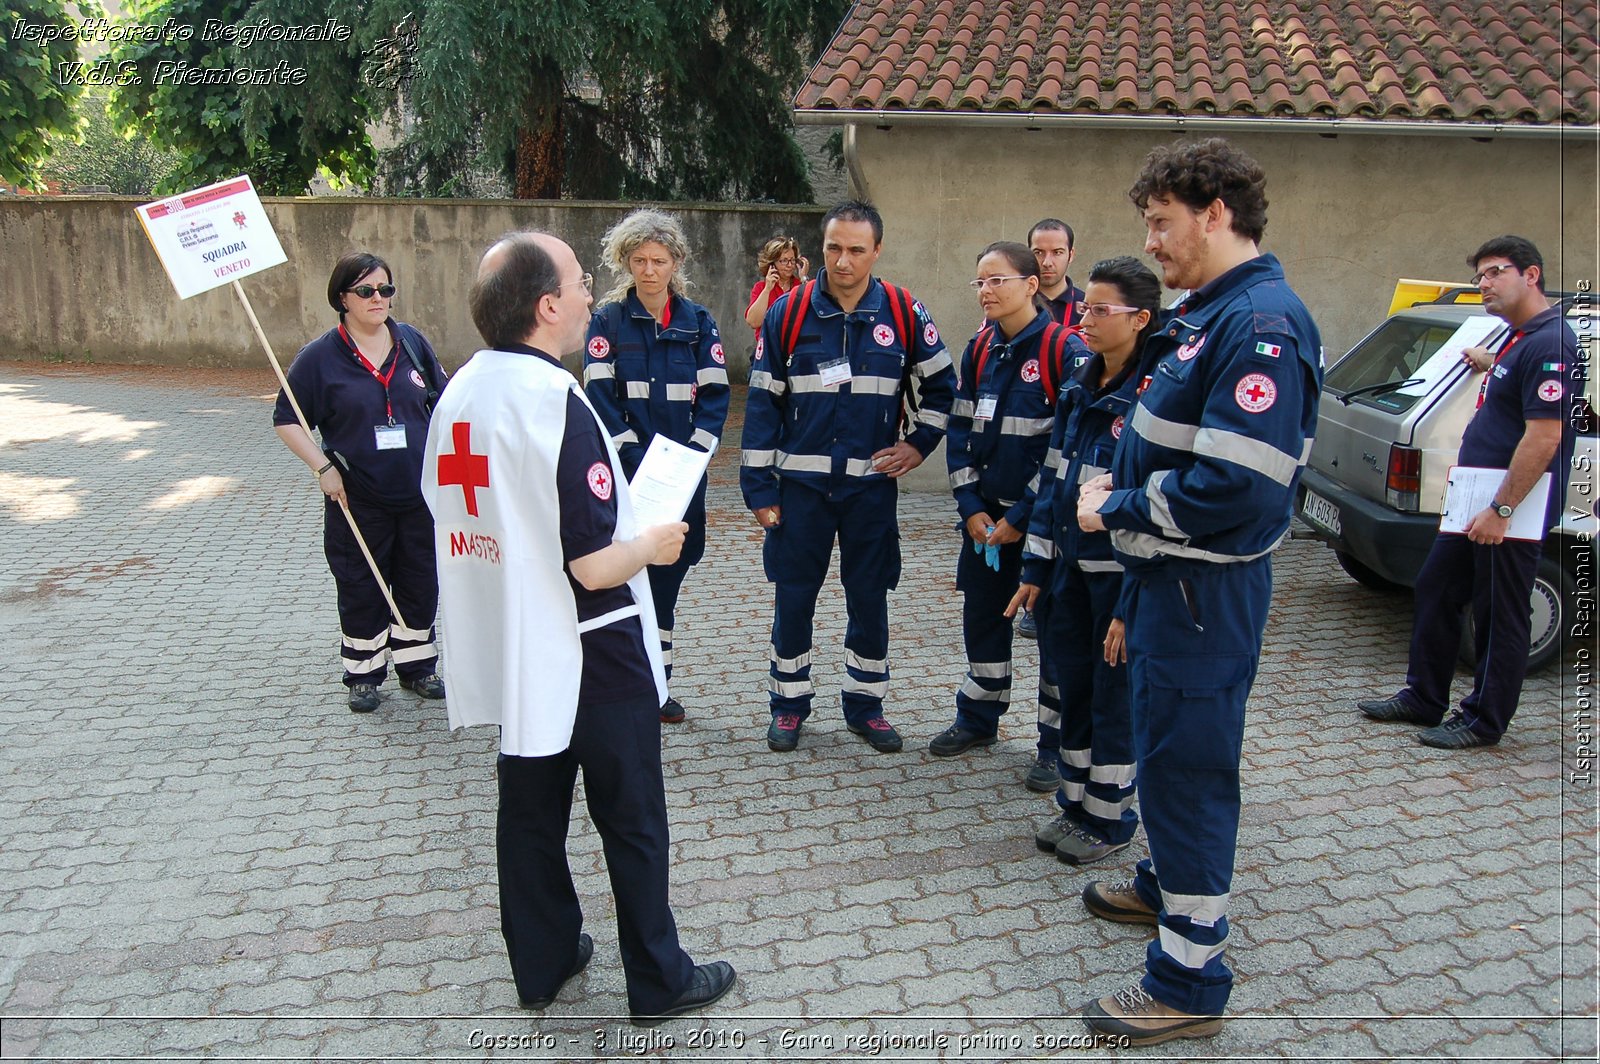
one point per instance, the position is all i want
(1514, 61)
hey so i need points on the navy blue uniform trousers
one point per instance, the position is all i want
(1497, 581)
(1193, 646)
(618, 746)
(401, 541)
(796, 556)
(1097, 760)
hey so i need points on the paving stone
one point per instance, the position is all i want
(318, 884)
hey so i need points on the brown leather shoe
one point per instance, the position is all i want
(1132, 1017)
(1118, 902)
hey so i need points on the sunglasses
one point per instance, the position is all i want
(367, 291)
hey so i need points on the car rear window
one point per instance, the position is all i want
(1391, 354)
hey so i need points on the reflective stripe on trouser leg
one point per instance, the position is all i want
(1097, 762)
(414, 576)
(363, 612)
(869, 565)
(985, 694)
(1049, 686)
(795, 555)
(1193, 648)
(665, 582)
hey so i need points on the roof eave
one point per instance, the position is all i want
(816, 116)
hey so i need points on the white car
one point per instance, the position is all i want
(1390, 423)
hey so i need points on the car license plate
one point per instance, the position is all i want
(1322, 512)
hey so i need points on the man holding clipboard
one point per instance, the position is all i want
(1520, 427)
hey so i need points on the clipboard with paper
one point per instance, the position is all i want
(665, 482)
(1471, 489)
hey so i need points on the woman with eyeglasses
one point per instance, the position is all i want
(998, 430)
(654, 365)
(368, 386)
(781, 268)
(1071, 579)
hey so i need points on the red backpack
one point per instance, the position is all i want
(900, 309)
(1052, 356)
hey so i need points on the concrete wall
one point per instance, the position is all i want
(1347, 215)
(79, 280)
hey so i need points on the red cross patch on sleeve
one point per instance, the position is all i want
(1255, 393)
(600, 481)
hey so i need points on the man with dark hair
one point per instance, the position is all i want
(1052, 242)
(1200, 492)
(543, 590)
(823, 447)
(1520, 426)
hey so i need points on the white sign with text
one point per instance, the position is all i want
(211, 236)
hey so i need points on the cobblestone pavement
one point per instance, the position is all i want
(204, 854)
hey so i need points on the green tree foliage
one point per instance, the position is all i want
(100, 156)
(309, 111)
(660, 99)
(34, 102)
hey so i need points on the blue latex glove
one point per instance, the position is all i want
(991, 552)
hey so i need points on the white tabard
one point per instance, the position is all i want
(512, 654)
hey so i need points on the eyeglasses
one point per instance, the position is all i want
(367, 291)
(1489, 273)
(785, 262)
(1104, 310)
(996, 282)
(587, 280)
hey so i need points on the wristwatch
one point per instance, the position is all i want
(1502, 509)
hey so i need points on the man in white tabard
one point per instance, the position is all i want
(542, 593)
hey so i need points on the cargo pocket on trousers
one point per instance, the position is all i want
(1194, 716)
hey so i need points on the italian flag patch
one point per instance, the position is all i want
(1270, 350)
(1554, 367)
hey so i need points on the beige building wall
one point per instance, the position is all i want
(79, 281)
(1347, 215)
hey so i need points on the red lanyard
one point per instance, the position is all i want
(1483, 389)
(394, 364)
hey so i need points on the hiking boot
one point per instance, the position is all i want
(879, 733)
(784, 733)
(1454, 734)
(429, 686)
(1119, 903)
(363, 697)
(1085, 846)
(672, 711)
(1137, 1019)
(1043, 775)
(1059, 828)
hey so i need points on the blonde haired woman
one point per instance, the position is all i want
(654, 364)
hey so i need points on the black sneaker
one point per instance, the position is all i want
(672, 711)
(879, 734)
(1455, 734)
(957, 740)
(1396, 710)
(363, 697)
(783, 734)
(1027, 624)
(429, 686)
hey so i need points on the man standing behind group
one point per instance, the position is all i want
(547, 606)
(1051, 240)
(1522, 427)
(1200, 492)
(822, 450)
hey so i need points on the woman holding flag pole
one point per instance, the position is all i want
(368, 386)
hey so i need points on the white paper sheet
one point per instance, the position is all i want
(1474, 331)
(665, 482)
(1471, 490)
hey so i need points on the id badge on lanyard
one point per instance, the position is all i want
(834, 371)
(984, 410)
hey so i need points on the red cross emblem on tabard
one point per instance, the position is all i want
(470, 471)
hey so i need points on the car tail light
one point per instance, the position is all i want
(1404, 486)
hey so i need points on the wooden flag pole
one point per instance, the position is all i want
(383, 585)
